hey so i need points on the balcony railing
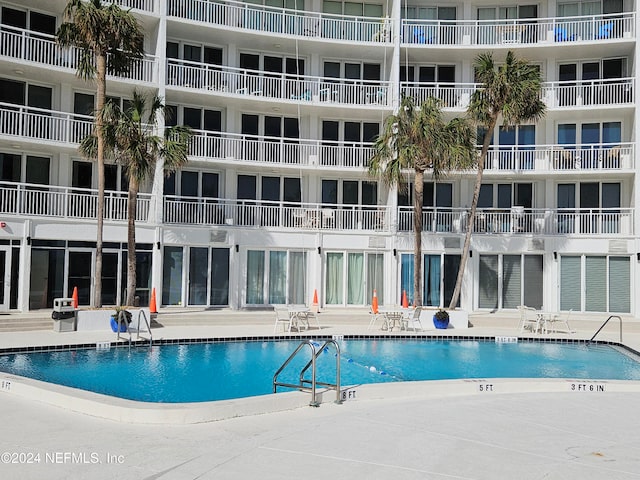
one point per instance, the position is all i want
(279, 86)
(281, 151)
(31, 200)
(282, 21)
(518, 220)
(26, 199)
(576, 93)
(610, 91)
(255, 213)
(49, 125)
(558, 30)
(42, 49)
(146, 5)
(603, 156)
(452, 95)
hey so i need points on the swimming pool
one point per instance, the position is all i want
(201, 372)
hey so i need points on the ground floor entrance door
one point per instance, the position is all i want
(5, 277)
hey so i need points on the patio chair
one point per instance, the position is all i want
(561, 35)
(604, 31)
(282, 317)
(528, 319)
(374, 318)
(306, 95)
(413, 319)
(560, 318)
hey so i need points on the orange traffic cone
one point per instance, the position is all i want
(314, 305)
(152, 302)
(405, 303)
(74, 298)
(374, 302)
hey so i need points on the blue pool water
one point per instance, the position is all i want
(225, 370)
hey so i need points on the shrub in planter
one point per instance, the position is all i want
(441, 319)
(124, 322)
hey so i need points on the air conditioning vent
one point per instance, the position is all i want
(377, 242)
(452, 242)
(536, 244)
(618, 246)
(218, 236)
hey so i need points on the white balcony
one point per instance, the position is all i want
(559, 158)
(146, 5)
(610, 92)
(279, 215)
(30, 200)
(39, 48)
(513, 32)
(587, 93)
(519, 221)
(43, 125)
(280, 21)
(232, 147)
(260, 85)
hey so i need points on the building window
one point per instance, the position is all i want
(595, 283)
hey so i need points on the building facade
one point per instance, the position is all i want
(275, 205)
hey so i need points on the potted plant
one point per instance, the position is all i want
(124, 323)
(441, 319)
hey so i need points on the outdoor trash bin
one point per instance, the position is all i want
(63, 315)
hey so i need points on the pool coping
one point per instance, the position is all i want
(130, 411)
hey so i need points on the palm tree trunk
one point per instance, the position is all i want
(101, 80)
(418, 187)
(131, 240)
(472, 214)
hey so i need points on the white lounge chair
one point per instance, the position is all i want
(282, 317)
(414, 318)
(529, 319)
(560, 318)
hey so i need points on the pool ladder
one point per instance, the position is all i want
(603, 325)
(122, 319)
(303, 384)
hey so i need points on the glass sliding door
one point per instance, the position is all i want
(488, 282)
(255, 277)
(406, 276)
(451, 267)
(109, 278)
(198, 273)
(277, 277)
(219, 276)
(297, 278)
(172, 276)
(431, 281)
(375, 276)
(355, 275)
(334, 289)
(533, 281)
(80, 275)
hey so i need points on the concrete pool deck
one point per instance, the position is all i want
(412, 434)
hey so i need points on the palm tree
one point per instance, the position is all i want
(131, 140)
(511, 90)
(418, 138)
(108, 39)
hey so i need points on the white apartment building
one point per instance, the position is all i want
(285, 98)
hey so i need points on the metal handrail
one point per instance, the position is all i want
(335, 386)
(312, 362)
(603, 325)
(146, 321)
